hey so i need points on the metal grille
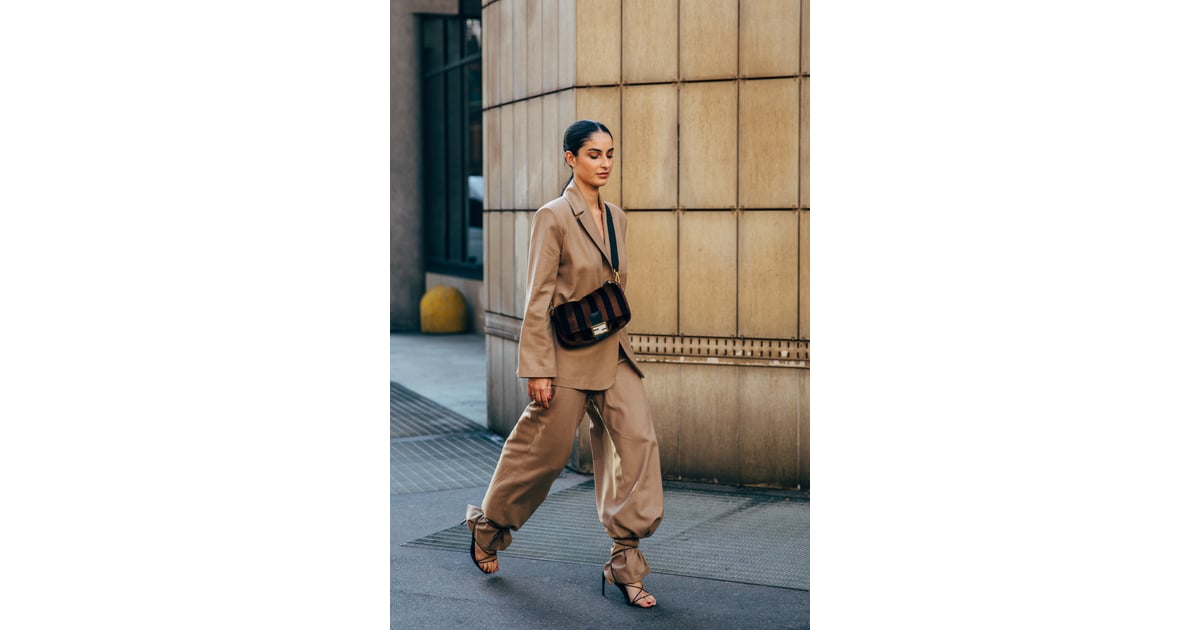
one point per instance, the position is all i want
(731, 535)
(443, 462)
(413, 414)
(721, 350)
(434, 448)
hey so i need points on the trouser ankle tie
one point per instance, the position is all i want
(489, 535)
(626, 563)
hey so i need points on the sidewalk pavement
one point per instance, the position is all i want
(731, 557)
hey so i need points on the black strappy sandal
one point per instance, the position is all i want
(641, 594)
(478, 562)
(488, 558)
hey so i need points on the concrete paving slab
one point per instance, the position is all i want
(442, 589)
(450, 369)
(733, 536)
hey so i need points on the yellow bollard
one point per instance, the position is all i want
(443, 310)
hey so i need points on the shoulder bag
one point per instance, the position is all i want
(600, 313)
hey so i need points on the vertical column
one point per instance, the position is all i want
(708, 103)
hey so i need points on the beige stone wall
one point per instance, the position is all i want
(708, 104)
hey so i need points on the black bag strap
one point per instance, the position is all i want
(612, 242)
(612, 248)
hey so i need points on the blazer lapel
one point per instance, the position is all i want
(579, 207)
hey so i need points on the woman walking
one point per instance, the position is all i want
(576, 245)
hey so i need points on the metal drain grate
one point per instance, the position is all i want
(413, 414)
(735, 536)
(444, 462)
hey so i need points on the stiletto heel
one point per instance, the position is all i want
(641, 594)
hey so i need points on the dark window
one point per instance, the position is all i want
(452, 144)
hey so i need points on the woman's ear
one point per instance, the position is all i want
(569, 158)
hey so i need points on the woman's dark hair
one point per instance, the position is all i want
(578, 133)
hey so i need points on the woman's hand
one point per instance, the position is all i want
(540, 391)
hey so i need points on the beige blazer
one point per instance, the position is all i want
(567, 260)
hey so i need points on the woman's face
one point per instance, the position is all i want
(593, 164)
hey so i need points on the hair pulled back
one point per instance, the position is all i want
(576, 134)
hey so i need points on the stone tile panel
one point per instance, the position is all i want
(768, 273)
(708, 39)
(649, 120)
(493, 383)
(802, 430)
(707, 281)
(706, 398)
(492, 270)
(521, 157)
(491, 37)
(769, 144)
(507, 157)
(769, 38)
(508, 369)
(521, 226)
(804, 37)
(506, 263)
(554, 173)
(491, 159)
(520, 51)
(537, 153)
(649, 41)
(534, 38)
(566, 43)
(604, 105)
(549, 52)
(708, 152)
(597, 27)
(506, 51)
(566, 115)
(805, 318)
(662, 380)
(653, 285)
(769, 399)
(804, 142)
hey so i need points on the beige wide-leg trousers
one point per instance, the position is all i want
(629, 495)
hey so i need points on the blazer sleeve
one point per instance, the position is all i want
(535, 358)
